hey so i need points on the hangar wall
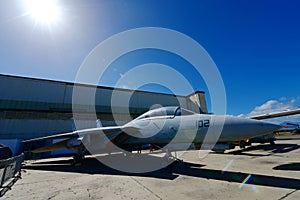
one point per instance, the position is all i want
(33, 107)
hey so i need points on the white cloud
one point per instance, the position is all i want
(283, 99)
(273, 106)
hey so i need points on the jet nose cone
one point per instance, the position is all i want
(269, 127)
(239, 128)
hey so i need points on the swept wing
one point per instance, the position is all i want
(277, 114)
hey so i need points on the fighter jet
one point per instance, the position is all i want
(162, 128)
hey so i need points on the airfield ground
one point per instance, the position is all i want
(274, 174)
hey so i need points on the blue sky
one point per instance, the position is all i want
(255, 44)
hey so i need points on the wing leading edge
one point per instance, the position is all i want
(106, 130)
(277, 114)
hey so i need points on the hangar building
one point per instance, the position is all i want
(32, 107)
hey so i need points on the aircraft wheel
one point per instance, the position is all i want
(77, 159)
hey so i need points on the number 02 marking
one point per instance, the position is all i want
(203, 123)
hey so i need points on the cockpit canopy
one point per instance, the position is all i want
(169, 111)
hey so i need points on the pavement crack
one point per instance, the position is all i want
(138, 182)
(288, 194)
(89, 193)
(52, 196)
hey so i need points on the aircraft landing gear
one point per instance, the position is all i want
(77, 159)
(168, 155)
(78, 156)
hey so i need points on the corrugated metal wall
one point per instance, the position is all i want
(22, 89)
(42, 95)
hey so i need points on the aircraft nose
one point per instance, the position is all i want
(259, 128)
(238, 128)
(269, 127)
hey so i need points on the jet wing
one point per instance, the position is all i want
(106, 130)
(51, 147)
(277, 114)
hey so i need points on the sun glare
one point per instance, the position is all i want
(43, 11)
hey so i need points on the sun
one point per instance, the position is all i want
(43, 11)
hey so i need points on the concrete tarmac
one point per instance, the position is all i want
(273, 172)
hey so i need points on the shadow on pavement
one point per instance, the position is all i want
(93, 166)
(288, 167)
(271, 149)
